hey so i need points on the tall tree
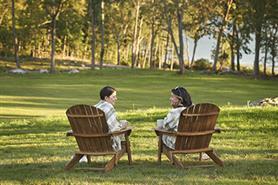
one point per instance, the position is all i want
(53, 9)
(15, 36)
(102, 34)
(152, 12)
(273, 47)
(259, 12)
(197, 23)
(221, 29)
(176, 8)
(92, 14)
(115, 18)
(137, 4)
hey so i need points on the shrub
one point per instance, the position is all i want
(201, 64)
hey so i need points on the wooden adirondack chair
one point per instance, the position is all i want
(93, 138)
(195, 129)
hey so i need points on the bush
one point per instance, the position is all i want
(201, 64)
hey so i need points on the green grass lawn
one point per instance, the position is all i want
(34, 149)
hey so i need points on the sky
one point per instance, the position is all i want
(205, 45)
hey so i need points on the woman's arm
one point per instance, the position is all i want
(170, 122)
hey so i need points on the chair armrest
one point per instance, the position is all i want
(69, 133)
(160, 132)
(126, 130)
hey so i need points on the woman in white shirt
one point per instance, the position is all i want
(108, 97)
(179, 100)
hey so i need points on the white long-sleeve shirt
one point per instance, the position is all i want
(112, 121)
(170, 123)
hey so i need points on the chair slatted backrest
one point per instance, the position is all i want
(197, 122)
(89, 128)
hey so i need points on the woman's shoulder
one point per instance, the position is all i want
(104, 104)
(177, 110)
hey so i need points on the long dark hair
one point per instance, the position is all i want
(183, 95)
(106, 91)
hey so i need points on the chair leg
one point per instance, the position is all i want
(88, 159)
(159, 148)
(120, 153)
(171, 157)
(128, 151)
(73, 161)
(215, 158)
(177, 162)
(200, 156)
(110, 164)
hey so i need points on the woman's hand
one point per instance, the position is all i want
(124, 123)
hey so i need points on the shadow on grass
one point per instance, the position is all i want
(140, 172)
(4, 117)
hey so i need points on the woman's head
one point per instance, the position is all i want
(108, 94)
(180, 97)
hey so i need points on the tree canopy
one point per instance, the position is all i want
(139, 33)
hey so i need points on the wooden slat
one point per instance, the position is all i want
(184, 133)
(202, 114)
(191, 151)
(95, 153)
(84, 116)
(92, 135)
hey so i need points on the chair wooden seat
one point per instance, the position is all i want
(195, 129)
(90, 129)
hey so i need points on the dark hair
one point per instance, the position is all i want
(106, 91)
(184, 96)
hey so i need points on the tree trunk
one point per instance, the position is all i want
(118, 49)
(156, 54)
(266, 49)
(102, 35)
(64, 40)
(274, 49)
(237, 49)
(138, 56)
(139, 39)
(265, 59)
(273, 65)
(180, 28)
(257, 51)
(161, 55)
(135, 39)
(127, 53)
(187, 50)
(54, 14)
(217, 49)
(52, 54)
(166, 51)
(225, 18)
(259, 7)
(93, 36)
(146, 55)
(232, 57)
(194, 51)
(232, 43)
(172, 59)
(179, 51)
(15, 36)
(151, 62)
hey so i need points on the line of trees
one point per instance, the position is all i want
(139, 33)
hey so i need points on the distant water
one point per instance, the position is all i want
(205, 45)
